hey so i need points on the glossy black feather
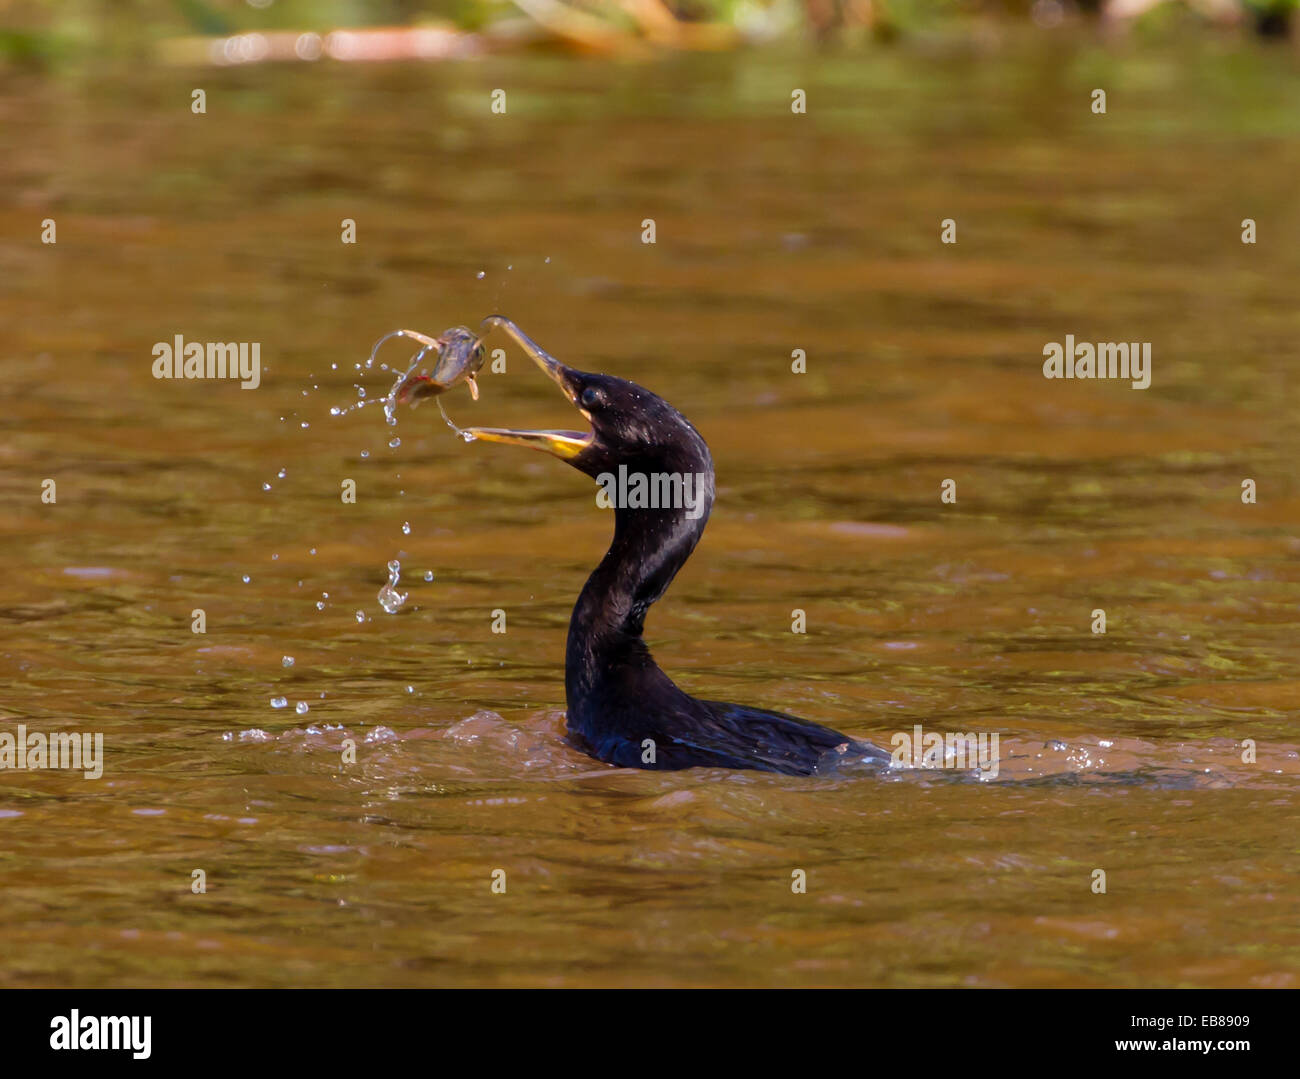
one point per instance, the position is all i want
(621, 707)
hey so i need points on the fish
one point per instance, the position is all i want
(460, 356)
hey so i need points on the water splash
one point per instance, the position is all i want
(388, 401)
(390, 599)
(463, 434)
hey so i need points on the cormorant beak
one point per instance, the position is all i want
(563, 444)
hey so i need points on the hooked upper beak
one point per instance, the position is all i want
(563, 444)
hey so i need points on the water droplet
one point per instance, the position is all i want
(281, 473)
(266, 487)
(410, 689)
(406, 527)
(428, 575)
(304, 425)
(361, 391)
(247, 578)
(392, 445)
(312, 551)
(361, 616)
(336, 411)
(480, 275)
(319, 605)
(365, 453)
(279, 702)
(390, 599)
(302, 708)
(286, 661)
(334, 367)
(548, 258)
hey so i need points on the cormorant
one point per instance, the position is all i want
(621, 707)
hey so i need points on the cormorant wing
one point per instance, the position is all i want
(744, 737)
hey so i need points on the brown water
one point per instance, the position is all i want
(1120, 752)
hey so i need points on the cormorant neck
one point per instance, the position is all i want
(648, 548)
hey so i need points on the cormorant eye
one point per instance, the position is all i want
(592, 397)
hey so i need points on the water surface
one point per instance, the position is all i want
(774, 232)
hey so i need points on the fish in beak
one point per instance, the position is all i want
(562, 444)
(460, 355)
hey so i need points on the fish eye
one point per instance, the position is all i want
(592, 397)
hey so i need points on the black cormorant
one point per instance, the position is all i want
(621, 707)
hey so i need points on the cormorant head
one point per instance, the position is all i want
(630, 426)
